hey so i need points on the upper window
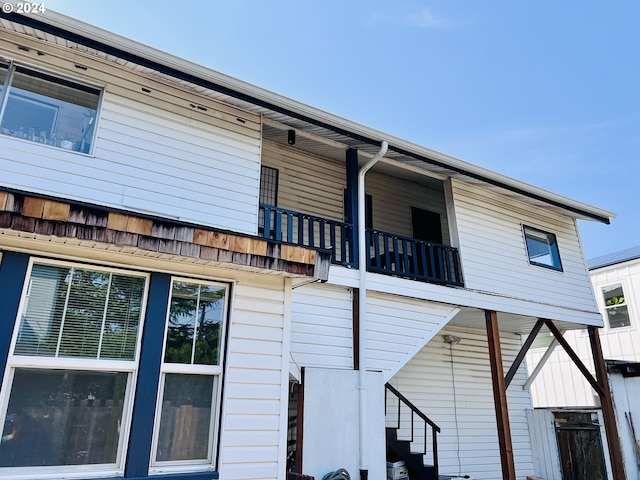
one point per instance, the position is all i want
(542, 248)
(71, 370)
(45, 109)
(615, 304)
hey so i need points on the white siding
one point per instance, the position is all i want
(544, 441)
(392, 201)
(468, 442)
(398, 327)
(153, 153)
(307, 183)
(321, 327)
(254, 419)
(494, 255)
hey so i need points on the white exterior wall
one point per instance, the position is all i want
(392, 201)
(307, 183)
(254, 415)
(152, 154)
(321, 328)
(398, 328)
(494, 254)
(468, 442)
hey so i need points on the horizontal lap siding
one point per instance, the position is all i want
(392, 201)
(398, 327)
(252, 406)
(152, 153)
(322, 327)
(307, 183)
(427, 382)
(494, 255)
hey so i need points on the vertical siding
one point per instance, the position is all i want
(392, 201)
(307, 183)
(398, 327)
(253, 413)
(468, 443)
(545, 444)
(494, 255)
(321, 327)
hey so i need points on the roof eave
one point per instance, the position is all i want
(108, 42)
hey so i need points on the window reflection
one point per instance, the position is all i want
(49, 110)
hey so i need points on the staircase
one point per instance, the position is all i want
(411, 436)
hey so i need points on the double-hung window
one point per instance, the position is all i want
(542, 248)
(189, 393)
(69, 382)
(47, 109)
(615, 305)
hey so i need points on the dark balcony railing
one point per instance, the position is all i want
(308, 230)
(387, 253)
(404, 256)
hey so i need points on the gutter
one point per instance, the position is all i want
(104, 41)
(362, 311)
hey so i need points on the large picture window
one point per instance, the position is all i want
(615, 305)
(68, 388)
(191, 371)
(542, 248)
(46, 109)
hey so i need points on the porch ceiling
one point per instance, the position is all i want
(69, 33)
(508, 322)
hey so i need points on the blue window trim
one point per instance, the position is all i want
(13, 271)
(554, 249)
(144, 409)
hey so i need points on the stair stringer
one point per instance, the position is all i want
(399, 327)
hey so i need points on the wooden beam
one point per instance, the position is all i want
(585, 371)
(500, 397)
(523, 352)
(606, 402)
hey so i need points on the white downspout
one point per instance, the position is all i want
(362, 311)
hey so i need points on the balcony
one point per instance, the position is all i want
(388, 253)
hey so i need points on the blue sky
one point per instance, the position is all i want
(546, 92)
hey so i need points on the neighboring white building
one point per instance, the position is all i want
(185, 294)
(615, 279)
(560, 387)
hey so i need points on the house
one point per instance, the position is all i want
(202, 279)
(555, 384)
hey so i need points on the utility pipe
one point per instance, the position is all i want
(363, 250)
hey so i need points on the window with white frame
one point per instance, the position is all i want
(47, 109)
(191, 370)
(542, 248)
(68, 387)
(615, 305)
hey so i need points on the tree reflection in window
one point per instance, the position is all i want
(195, 319)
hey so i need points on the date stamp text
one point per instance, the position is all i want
(23, 7)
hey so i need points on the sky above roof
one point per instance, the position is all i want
(545, 92)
